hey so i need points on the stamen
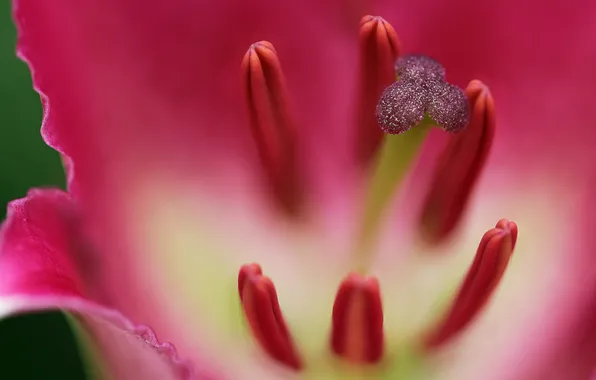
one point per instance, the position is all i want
(485, 273)
(357, 331)
(272, 124)
(379, 48)
(459, 168)
(261, 308)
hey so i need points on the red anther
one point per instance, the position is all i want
(261, 308)
(272, 125)
(379, 48)
(508, 225)
(357, 331)
(459, 168)
(485, 273)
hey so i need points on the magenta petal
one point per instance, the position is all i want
(132, 84)
(42, 266)
(143, 94)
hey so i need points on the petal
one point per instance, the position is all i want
(145, 99)
(540, 320)
(544, 312)
(158, 84)
(42, 266)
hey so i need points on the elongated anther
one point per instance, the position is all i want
(272, 124)
(485, 273)
(261, 309)
(459, 167)
(379, 48)
(357, 330)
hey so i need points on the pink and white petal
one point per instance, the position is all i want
(196, 282)
(540, 322)
(41, 267)
(146, 101)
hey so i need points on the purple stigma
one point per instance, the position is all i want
(421, 89)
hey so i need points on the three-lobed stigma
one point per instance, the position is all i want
(421, 89)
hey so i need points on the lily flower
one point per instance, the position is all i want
(271, 190)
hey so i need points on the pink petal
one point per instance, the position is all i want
(561, 339)
(42, 266)
(141, 95)
(136, 84)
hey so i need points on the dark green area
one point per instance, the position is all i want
(40, 346)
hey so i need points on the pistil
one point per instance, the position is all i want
(392, 164)
(419, 99)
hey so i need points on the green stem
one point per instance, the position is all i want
(393, 161)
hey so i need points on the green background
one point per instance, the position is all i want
(39, 346)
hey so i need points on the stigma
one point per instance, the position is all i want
(421, 90)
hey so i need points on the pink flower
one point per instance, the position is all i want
(253, 243)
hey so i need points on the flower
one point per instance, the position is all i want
(178, 203)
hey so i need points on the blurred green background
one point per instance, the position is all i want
(37, 346)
